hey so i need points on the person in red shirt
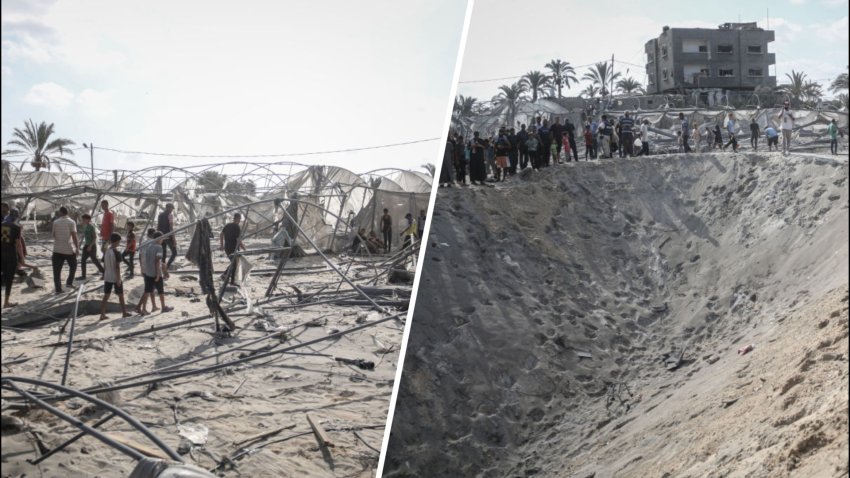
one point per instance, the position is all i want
(129, 254)
(107, 225)
(589, 153)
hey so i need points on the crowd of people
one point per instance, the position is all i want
(370, 241)
(501, 155)
(70, 241)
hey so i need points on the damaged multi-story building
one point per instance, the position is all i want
(733, 57)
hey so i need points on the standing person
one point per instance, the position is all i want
(644, 138)
(544, 135)
(129, 254)
(565, 141)
(594, 125)
(387, 230)
(461, 159)
(685, 132)
(832, 130)
(557, 132)
(786, 119)
(754, 134)
(718, 138)
(154, 273)
(64, 233)
(531, 144)
(420, 222)
(165, 224)
(89, 246)
(679, 142)
(409, 232)
(772, 138)
(605, 132)
(503, 148)
(513, 156)
(446, 168)
(697, 139)
(107, 227)
(626, 136)
(731, 128)
(571, 136)
(12, 252)
(112, 276)
(588, 144)
(490, 151)
(477, 169)
(522, 139)
(4, 210)
(229, 240)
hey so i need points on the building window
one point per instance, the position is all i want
(725, 72)
(703, 48)
(725, 49)
(664, 51)
(665, 74)
(705, 72)
(755, 72)
(650, 58)
(754, 49)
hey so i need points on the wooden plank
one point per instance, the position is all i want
(321, 435)
(143, 449)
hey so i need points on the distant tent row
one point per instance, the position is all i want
(327, 201)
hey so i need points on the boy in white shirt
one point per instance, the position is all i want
(112, 276)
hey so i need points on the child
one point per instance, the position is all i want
(680, 142)
(150, 256)
(718, 138)
(565, 146)
(112, 276)
(588, 143)
(129, 254)
(695, 134)
(89, 245)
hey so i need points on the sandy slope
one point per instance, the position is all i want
(624, 261)
(345, 399)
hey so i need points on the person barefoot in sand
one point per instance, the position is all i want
(112, 276)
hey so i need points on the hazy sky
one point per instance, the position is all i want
(509, 38)
(247, 77)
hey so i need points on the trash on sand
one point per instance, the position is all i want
(191, 435)
(360, 363)
(672, 360)
(746, 349)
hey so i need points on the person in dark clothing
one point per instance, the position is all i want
(754, 134)
(557, 131)
(89, 246)
(387, 230)
(129, 254)
(522, 138)
(12, 252)
(459, 159)
(477, 169)
(570, 128)
(718, 138)
(165, 224)
(513, 155)
(588, 144)
(446, 168)
(626, 135)
(686, 132)
(229, 240)
(544, 134)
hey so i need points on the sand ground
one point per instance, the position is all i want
(547, 304)
(233, 404)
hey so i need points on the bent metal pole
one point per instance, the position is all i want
(333, 266)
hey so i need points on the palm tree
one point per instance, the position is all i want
(562, 74)
(839, 83)
(534, 82)
(801, 90)
(591, 91)
(465, 106)
(509, 96)
(601, 74)
(629, 85)
(430, 168)
(211, 182)
(34, 141)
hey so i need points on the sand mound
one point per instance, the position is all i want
(547, 306)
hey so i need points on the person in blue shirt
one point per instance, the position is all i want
(772, 138)
(731, 128)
